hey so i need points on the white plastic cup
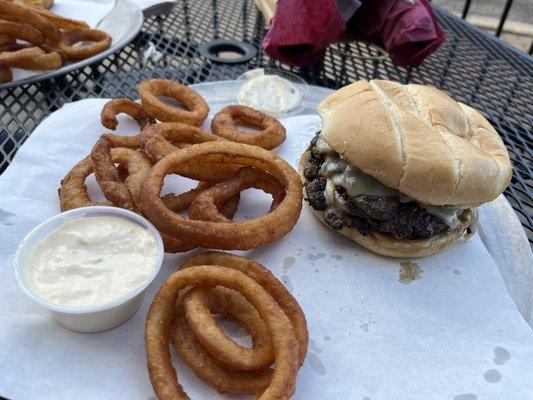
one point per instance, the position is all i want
(98, 317)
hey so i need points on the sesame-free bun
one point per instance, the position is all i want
(418, 140)
(388, 245)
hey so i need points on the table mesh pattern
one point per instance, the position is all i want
(471, 66)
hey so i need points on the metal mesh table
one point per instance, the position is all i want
(471, 66)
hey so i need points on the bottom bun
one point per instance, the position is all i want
(388, 245)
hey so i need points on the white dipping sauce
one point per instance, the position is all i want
(91, 260)
(270, 94)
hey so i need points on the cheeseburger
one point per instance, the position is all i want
(400, 169)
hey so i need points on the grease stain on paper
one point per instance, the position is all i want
(465, 396)
(364, 326)
(314, 347)
(501, 355)
(5, 216)
(288, 262)
(316, 365)
(316, 256)
(492, 376)
(409, 272)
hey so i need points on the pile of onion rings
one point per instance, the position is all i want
(130, 171)
(39, 40)
(246, 292)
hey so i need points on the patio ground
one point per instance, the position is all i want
(518, 29)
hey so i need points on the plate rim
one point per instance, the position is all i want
(87, 61)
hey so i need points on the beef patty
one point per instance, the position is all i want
(404, 220)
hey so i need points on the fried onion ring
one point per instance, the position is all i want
(72, 48)
(112, 108)
(240, 235)
(197, 108)
(160, 316)
(198, 306)
(16, 12)
(5, 75)
(6, 40)
(73, 191)
(31, 58)
(60, 21)
(134, 166)
(209, 341)
(126, 193)
(107, 176)
(270, 137)
(177, 134)
(156, 147)
(269, 282)
(205, 205)
(21, 31)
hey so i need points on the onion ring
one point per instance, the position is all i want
(107, 176)
(223, 125)
(197, 108)
(205, 205)
(112, 108)
(156, 147)
(126, 194)
(73, 191)
(100, 42)
(16, 12)
(21, 31)
(198, 306)
(181, 202)
(240, 235)
(60, 21)
(269, 282)
(160, 316)
(5, 75)
(6, 40)
(31, 58)
(177, 134)
(207, 367)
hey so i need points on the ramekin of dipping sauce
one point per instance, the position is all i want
(272, 91)
(90, 266)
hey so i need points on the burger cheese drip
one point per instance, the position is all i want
(352, 199)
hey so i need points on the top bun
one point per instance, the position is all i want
(418, 140)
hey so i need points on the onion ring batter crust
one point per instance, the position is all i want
(270, 137)
(112, 108)
(241, 235)
(197, 108)
(16, 12)
(100, 42)
(163, 376)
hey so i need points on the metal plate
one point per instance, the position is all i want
(123, 23)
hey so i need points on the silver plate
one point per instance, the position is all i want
(122, 23)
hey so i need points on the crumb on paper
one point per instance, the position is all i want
(409, 272)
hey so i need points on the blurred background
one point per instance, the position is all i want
(511, 20)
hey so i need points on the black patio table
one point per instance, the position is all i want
(471, 66)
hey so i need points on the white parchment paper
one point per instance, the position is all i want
(453, 334)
